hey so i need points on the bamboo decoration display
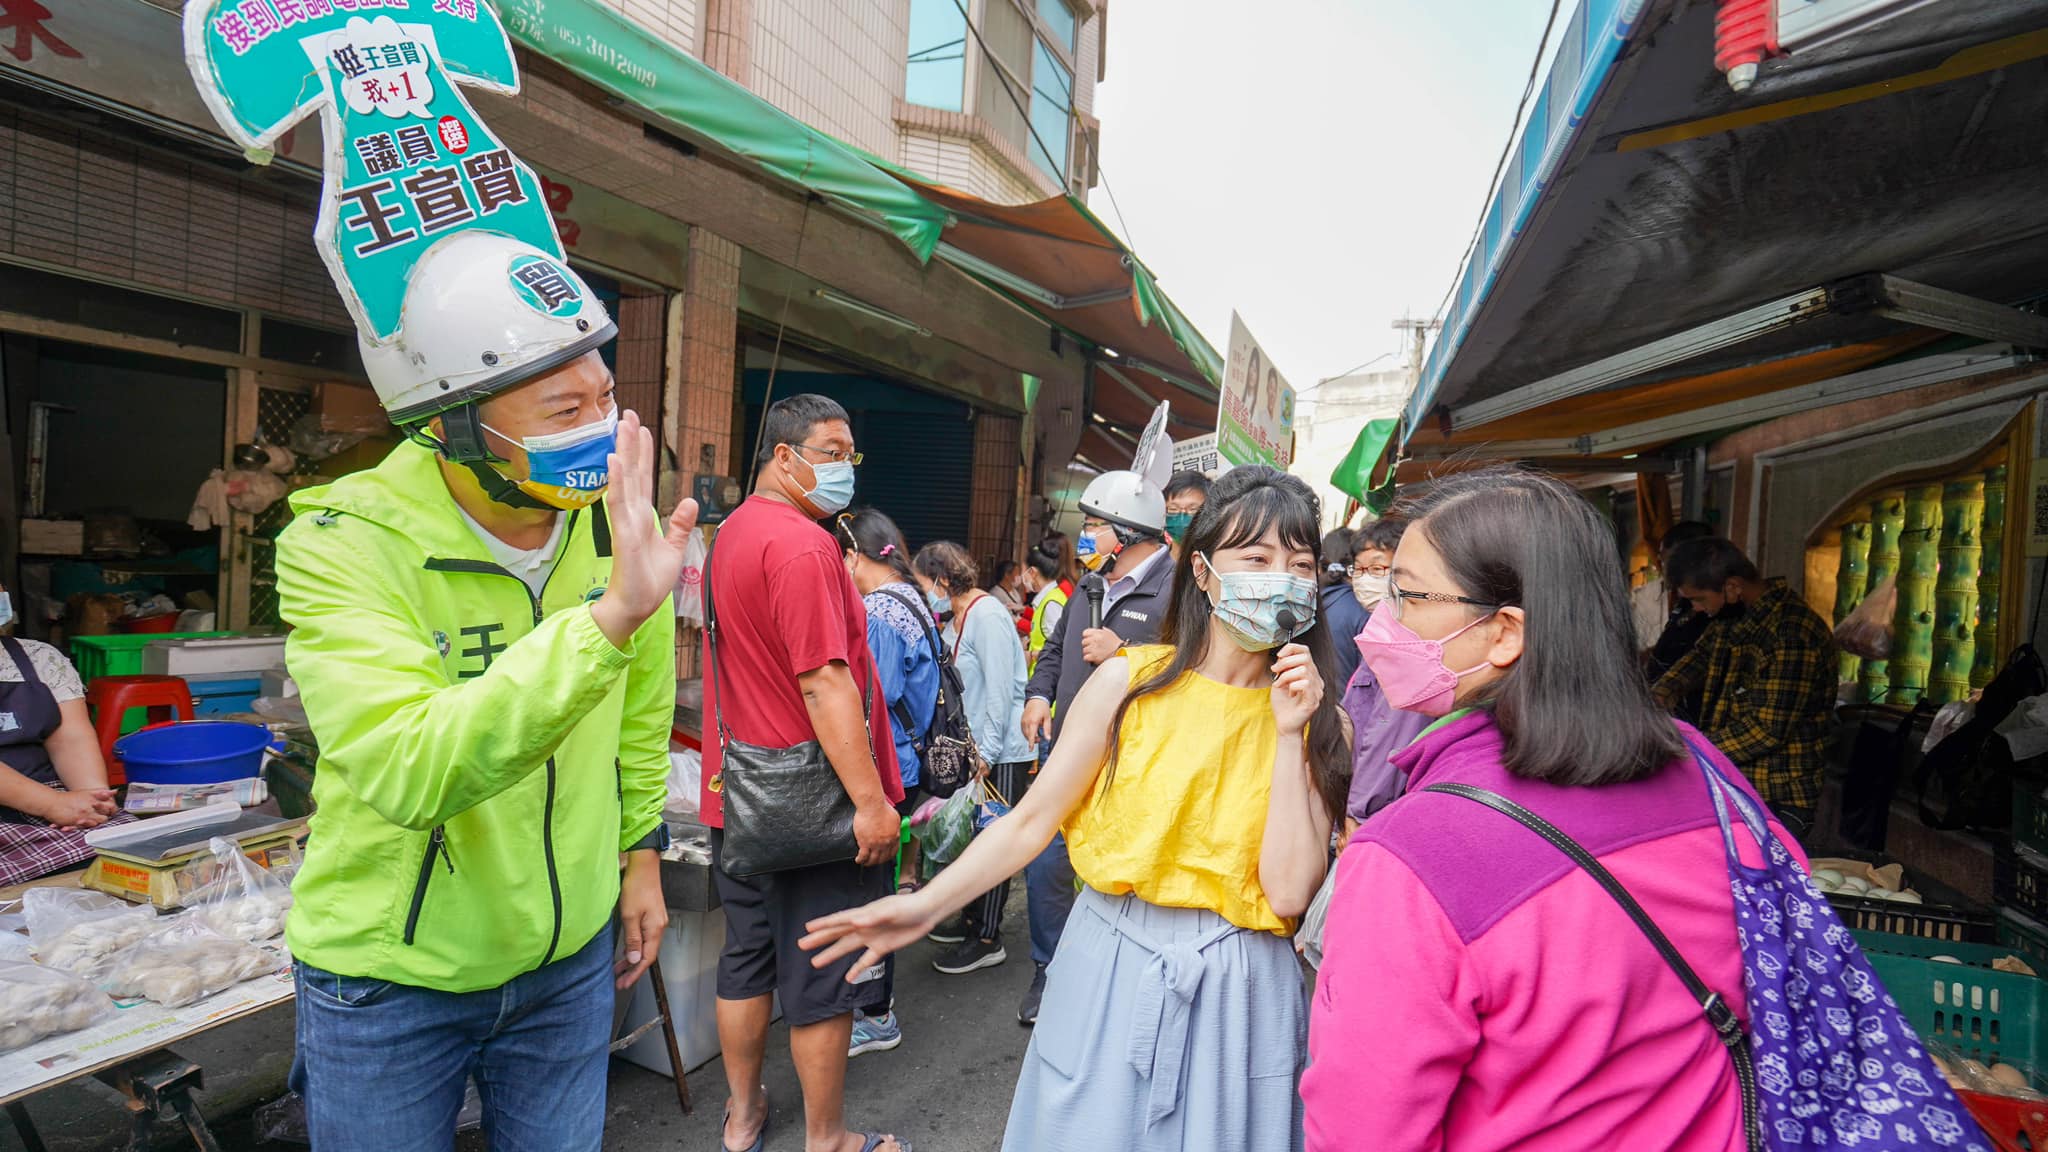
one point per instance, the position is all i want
(1990, 573)
(1955, 590)
(1887, 517)
(1913, 620)
(1852, 580)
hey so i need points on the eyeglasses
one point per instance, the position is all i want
(1357, 570)
(1401, 596)
(835, 456)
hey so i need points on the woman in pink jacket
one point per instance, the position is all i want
(1478, 990)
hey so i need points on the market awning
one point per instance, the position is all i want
(1056, 259)
(1053, 258)
(1661, 243)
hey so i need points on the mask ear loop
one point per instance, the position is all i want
(462, 442)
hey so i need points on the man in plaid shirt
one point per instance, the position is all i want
(1764, 671)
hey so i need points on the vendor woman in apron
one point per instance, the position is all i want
(53, 783)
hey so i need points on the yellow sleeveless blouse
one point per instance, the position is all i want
(1181, 823)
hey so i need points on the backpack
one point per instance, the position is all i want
(946, 749)
(1827, 1060)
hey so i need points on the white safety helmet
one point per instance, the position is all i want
(483, 312)
(1127, 500)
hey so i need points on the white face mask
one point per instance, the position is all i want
(1371, 589)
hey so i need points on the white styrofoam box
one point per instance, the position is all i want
(279, 684)
(689, 961)
(251, 654)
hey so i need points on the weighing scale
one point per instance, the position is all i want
(163, 860)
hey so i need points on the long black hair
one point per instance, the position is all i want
(1243, 506)
(875, 536)
(1574, 709)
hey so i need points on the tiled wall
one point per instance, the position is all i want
(82, 199)
(638, 359)
(966, 165)
(673, 20)
(837, 65)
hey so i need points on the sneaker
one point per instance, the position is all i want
(969, 955)
(951, 932)
(874, 1034)
(1027, 1012)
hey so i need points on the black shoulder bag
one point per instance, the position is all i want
(784, 807)
(1719, 1016)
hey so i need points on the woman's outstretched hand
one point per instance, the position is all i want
(887, 925)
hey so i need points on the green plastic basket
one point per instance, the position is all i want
(97, 656)
(1980, 1013)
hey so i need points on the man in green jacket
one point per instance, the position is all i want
(484, 644)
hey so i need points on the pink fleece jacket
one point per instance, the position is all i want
(1479, 991)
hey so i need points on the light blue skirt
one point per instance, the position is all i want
(1163, 1030)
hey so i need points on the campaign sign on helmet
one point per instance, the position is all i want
(408, 162)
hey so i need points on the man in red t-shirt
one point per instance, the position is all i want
(793, 663)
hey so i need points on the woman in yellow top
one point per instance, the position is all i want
(1196, 782)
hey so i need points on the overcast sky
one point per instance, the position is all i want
(1318, 166)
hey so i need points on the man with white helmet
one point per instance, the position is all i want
(1123, 544)
(482, 639)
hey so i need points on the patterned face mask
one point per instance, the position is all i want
(1262, 610)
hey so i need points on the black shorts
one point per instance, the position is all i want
(912, 797)
(765, 917)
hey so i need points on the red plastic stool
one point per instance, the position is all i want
(110, 697)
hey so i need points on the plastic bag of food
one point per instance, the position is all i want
(243, 900)
(951, 828)
(1867, 631)
(1967, 1074)
(1308, 939)
(183, 963)
(36, 1002)
(690, 582)
(81, 932)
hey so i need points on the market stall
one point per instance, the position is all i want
(1793, 291)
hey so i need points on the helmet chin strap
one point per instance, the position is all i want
(462, 442)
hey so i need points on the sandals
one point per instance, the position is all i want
(906, 887)
(760, 1138)
(873, 1140)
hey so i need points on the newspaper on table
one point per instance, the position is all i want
(156, 799)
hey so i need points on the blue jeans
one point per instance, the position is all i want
(382, 1066)
(1049, 889)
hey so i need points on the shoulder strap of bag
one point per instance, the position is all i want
(923, 615)
(1716, 1010)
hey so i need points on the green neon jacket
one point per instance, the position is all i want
(484, 754)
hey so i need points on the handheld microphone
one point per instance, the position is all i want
(1288, 620)
(1093, 586)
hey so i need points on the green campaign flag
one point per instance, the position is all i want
(1353, 476)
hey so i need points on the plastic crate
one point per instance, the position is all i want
(1984, 1014)
(2029, 813)
(2025, 937)
(1943, 915)
(96, 656)
(2020, 880)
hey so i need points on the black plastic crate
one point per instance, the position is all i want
(2020, 881)
(1943, 914)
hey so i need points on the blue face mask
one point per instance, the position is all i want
(1249, 604)
(569, 470)
(940, 602)
(6, 609)
(834, 489)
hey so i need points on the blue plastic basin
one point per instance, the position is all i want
(193, 752)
